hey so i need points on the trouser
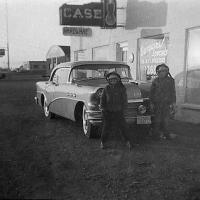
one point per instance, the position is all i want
(161, 119)
(113, 120)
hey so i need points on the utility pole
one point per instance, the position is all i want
(8, 56)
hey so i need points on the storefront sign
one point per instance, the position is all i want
(77, 31)
(2, 52)
(101, 14)
(81, 15)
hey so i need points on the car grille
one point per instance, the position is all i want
(131, 110)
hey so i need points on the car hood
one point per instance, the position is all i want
(132, 89)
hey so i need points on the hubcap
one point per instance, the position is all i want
(85, 120)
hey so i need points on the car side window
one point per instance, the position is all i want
(61, 76)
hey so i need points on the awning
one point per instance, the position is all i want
(58, 51)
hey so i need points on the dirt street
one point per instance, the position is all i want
(51, 159)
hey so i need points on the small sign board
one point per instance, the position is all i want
(77, 31)
(2, 52)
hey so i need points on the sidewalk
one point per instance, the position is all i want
(185, 129)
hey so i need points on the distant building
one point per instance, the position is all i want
(4, 69)
(34, 66)
(57, 54)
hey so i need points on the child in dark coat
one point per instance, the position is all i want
(162, 96)
(113, 103)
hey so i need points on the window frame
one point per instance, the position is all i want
(138, 68)
(59, 69)
(186, 64)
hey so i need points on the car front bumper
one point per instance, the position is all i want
(95, 118)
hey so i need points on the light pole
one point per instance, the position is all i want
(7, 36)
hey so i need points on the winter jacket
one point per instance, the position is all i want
(114, 98)
(163, 91)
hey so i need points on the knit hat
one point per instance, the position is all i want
(162, 65)
(112, 75)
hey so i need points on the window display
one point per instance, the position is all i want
(152, 52)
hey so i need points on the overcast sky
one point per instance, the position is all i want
(33, 27)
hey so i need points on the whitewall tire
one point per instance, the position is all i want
(47, 113)
(88, 129)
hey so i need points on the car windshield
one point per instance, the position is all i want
(99, 71)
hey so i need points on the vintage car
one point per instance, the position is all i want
(74, 89)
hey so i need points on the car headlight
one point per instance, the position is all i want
(99, 92)
(142, 109)
(95, 98)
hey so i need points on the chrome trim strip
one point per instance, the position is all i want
(62, 98)
(135, 100)
(146, 98)
(95, 118)
(95, 121)
(93, 111)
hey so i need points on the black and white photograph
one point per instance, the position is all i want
(100, 99)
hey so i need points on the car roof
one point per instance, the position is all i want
(79, 63)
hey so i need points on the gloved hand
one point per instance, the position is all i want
(173, 107)
(100, 108)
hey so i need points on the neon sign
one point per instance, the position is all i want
(93, 14)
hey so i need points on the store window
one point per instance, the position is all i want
(124, 54)
(122, 51)
(193, 67)
(152, 51)
(79, 55)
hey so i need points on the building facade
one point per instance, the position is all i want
(153, 32)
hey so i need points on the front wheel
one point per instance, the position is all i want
(89, 130)
(47, 113)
